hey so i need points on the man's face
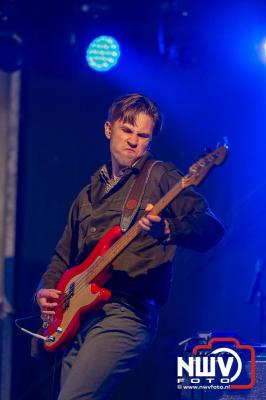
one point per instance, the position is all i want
(129, 142)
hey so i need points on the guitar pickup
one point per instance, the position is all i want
(70, 293)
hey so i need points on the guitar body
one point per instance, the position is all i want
(80, 294)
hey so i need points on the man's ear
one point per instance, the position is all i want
(107, 129)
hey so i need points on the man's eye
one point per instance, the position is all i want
(144, 136)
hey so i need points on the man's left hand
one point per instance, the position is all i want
(155, 225)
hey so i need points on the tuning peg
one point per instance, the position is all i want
(226, 142)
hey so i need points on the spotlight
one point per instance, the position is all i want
(103, 53)
(262, 51)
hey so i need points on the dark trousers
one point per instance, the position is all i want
(109, 344)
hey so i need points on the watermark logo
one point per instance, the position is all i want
(221, 363)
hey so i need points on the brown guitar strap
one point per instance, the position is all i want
(135, 195)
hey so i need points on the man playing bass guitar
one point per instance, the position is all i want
(111, 339)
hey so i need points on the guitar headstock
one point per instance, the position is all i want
(200, 169)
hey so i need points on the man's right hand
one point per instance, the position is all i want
(46, 299)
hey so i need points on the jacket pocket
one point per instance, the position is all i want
(85, 212)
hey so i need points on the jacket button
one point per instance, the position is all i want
(93, 229)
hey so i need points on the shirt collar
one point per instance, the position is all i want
(106, 169)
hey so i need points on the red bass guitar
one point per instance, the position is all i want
(82, 286)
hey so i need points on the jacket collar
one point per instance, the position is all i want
(103, 174)
(105, 171)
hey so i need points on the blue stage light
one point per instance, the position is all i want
(103, 53)
(261, 48)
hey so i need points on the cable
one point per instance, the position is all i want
(44, 338)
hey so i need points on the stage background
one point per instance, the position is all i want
(219, 93)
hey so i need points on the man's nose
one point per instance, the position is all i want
(133, 141)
